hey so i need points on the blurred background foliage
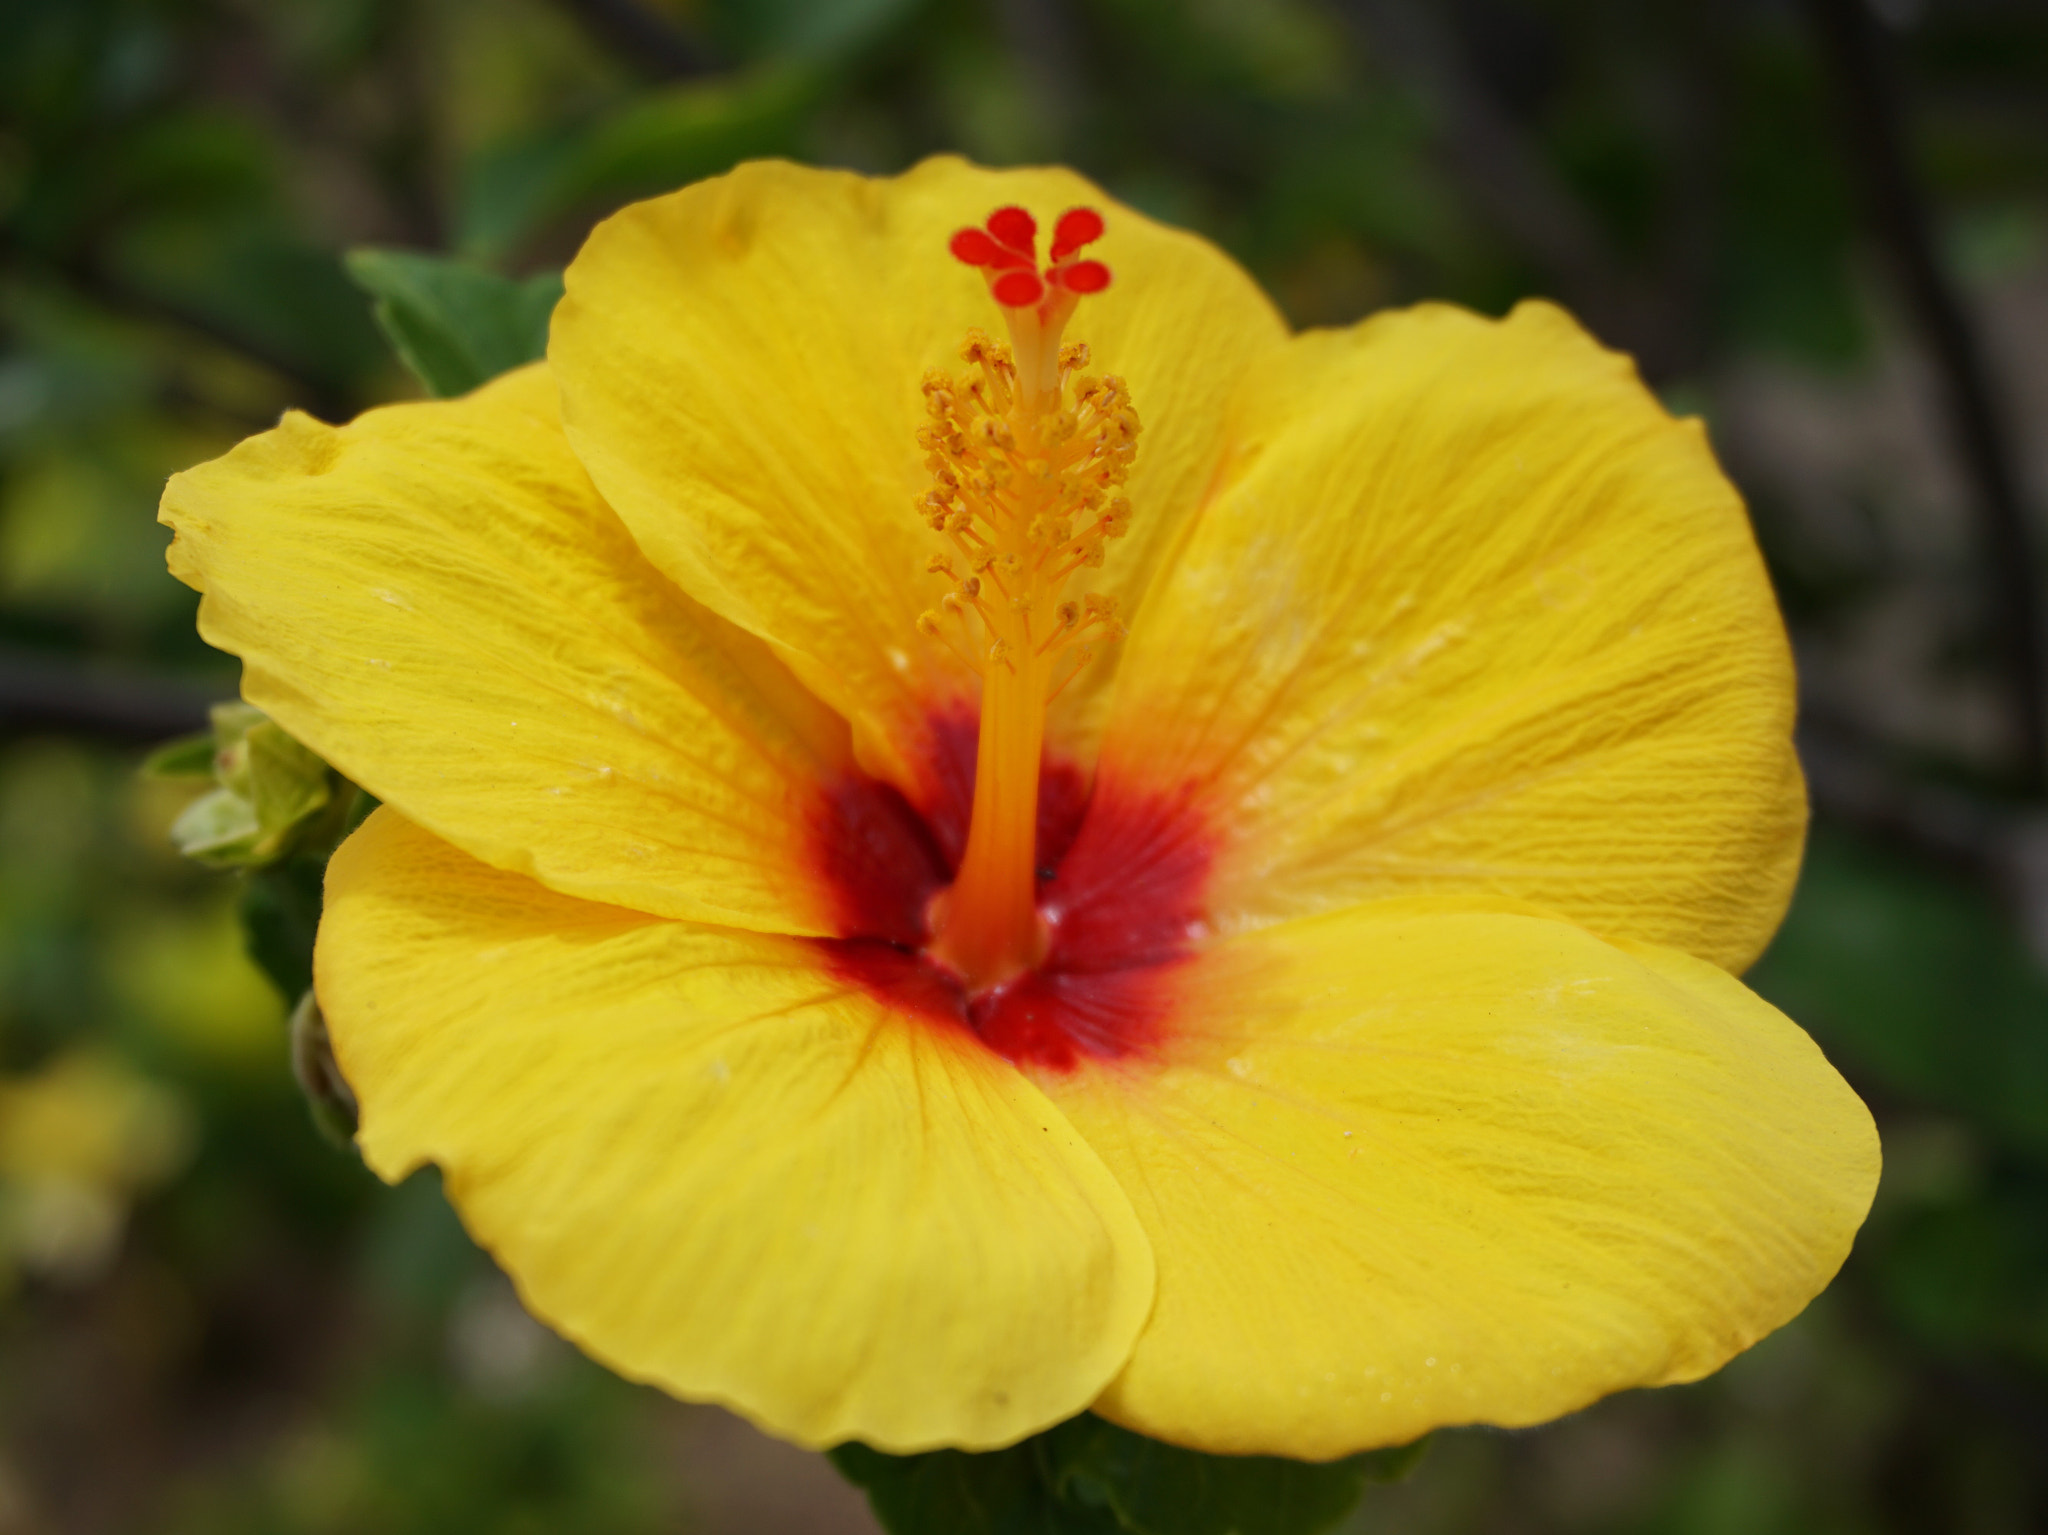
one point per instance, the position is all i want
(1821, 226)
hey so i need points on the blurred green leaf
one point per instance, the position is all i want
(1089, 1477)
(949, 1492)
(1161, 1489)
(280, 298)
(1973, 1275)
(808, 30)
(656, 142)
(1791, 219)
(1916, 980)
(455, 324)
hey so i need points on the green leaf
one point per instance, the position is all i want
(455, 324)
(1088, 1477)
(1161, 1489)
(280, 915)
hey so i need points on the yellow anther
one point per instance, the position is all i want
(1025, 479)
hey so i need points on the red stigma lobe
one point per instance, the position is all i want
(1016, 229)
(1005, 248)
(1018, 290)
(976, 247)
(1077, 227)
(1082, 276)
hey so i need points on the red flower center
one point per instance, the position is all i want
(1120, 883)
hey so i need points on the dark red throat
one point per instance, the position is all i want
(1120, 880)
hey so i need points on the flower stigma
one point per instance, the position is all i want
(1027, 454)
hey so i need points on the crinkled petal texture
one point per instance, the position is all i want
(720, 1170)
(1468, 614)
(740, 365)
(1403, 1170)
(435, 599)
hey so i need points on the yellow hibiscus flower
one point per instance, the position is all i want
(830, 992)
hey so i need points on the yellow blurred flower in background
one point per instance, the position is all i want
(829, 990)
(80, 1138)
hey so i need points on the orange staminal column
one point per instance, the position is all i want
(1026, 455)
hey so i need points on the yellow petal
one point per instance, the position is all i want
(740, 366)
(720, 1169)
(435, 600)
(1469, 614)
(1402, 1171)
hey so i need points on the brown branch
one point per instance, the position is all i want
(1875, 140)
(43, 694)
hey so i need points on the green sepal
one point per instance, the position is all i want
(1162, 1489)
(455, 324)
(186, 757)
(328, 1095)
(280, 915)
(269, 796)
(1089, 1477)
